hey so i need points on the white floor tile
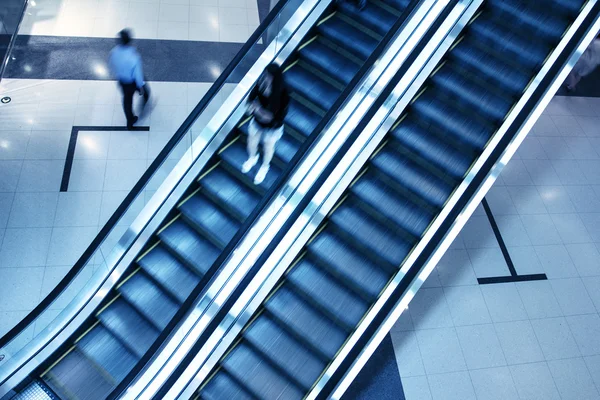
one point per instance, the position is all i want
(20, 288)
(593, 364)
(429, 309)
(112, 200)
(78, 209)
(67, 244)
(451, 386)
(467, 305)
(234, 33)
(41, 176)
(455, 269)
(582, 148)
(233, 16)
(87, 175)
(171, 30)
(26, 247)
(416, 388)
(534, 382)
(555, 338)
(515, 173)
(503, 302)
(590, 170)
(556, 148)
(569, 172)
(584, 198)
(556, 199)
(592, 224)
(92, 145)
(541, 230)
(128, 145)
(592, 285)
(531, 149)
(539, 299)
(203, 32)
(556, 262)
(525, 260)
(558, 106)
(493, 384)
(571, 228)
(480, 346)
(573, 379)
(590, 125)
(478, 233)
(500, 202)
(6, 202)
(13, 144)
(440, 350)
(408, 355)
(9, 178)
(586, 258)
(94, 114)
(33, 210)
(48, 145)
(53, 275)
(123, 174)
(519, 342)
(8, 319)
(54, 116)
(527, 200)
(512, 230)
(586, 331)
(404, 323)
(488, 262)
(572, 296)
(542, 172)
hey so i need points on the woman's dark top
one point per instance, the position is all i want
(276, 104)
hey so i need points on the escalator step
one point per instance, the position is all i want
(343, 260)
(348, 37)
(406, 174)
(340, 303)
(489, 68)
(284, 351)
(259, 377)
(306, 322)
(206, 216)
(301, 119)
(329, 61)
(399, 5)
(74, 377)
(311, 87)
(512, 45)
(445, 116)
(428, 146)
(196, 251)
(178, 279)
(105, 350)
(380, 239)
(472, 96)
(234, 157)
(149, 300)
(230, 194)
(372, 16)
(222, 387)
(385, 200)
(129, 326)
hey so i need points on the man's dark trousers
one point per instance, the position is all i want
(129, 90)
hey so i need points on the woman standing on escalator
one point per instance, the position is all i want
(267, 103)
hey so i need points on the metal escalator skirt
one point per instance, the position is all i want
(468, 210)
(415, 30)
(21, 364)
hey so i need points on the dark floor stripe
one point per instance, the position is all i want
(64, 183)
(51, 57)
(380, 378)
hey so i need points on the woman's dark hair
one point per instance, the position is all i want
(125, 37)
(278, 84)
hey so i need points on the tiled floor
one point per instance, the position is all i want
(200, 20)
(42, 230)
(528, 340)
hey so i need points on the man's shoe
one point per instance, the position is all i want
(133, 121)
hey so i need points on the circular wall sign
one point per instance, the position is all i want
(5, 100)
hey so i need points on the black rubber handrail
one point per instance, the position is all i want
(457, 209)
(145, 178)
(314, 188)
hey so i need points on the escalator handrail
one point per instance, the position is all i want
(306, 199)
(475, 185)
(144, 179)
(267, 200)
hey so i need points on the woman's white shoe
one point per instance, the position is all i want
(251, 162)
(261, 174)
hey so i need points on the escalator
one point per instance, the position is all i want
(185, 252)
(318, 303)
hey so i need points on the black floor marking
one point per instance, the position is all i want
(514, 276)
(64, 184)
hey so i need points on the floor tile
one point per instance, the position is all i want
(481, 347)
(592, 285)
(525, 260)
(543, 172)
(534, 382)
(512, 230)
(408, 355)
(54, 275)
(589, 125)
(6, 202)
(556, 199)
(48, 145)
(527, 200)
(451, 386)
(531, 149)
(500, 202)
(556, 262)
(493, 383)
(541, 229)
(503, 302)
(515, 173)
(20, 288)
(478, 233)
(33, 210)
(430, 310)
(582, 148)
(586, 331)
(592, 224)
(174, 13)
(25, 247)
(8, 319)
(572, 296)
(440, 350)
(545, 126)
(555, 338)
(584, 198)
(455, 269)
(68, 244)
(571, 228)
(590, 170)
(519, 342)
(404, 323)
(467, 305)
(203, 32)
(78, 209)
(11, 171)
(593, 364)
(556, 148)
(488, 262)
(123, 174)
(416, 388)
(13, 144)
(569, 172)
(41, 176)
(128, 145)
(586, 258)
(87, 175)
(234, 33)
(573, 379)
(92, 145)
(539, 299)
